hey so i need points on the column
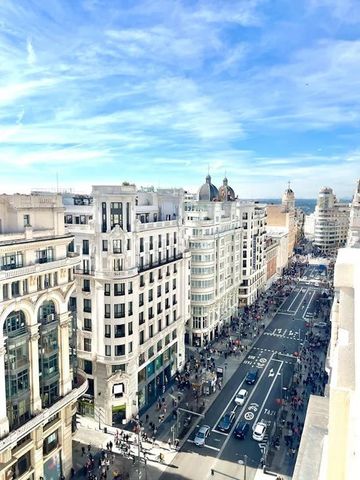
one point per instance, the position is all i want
(4, 422)
(64, 352)
(34, 368)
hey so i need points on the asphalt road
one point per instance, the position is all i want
(273, 355)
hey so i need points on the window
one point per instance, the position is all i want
(118, 264)
(174, 283)
(141, 337)
(141, 318)
(130, 308)
(159, 325)
(104, 245)
(119, 331)
(159, 241)
(117, 246)
(130, 288)
(107, 331)
(174, 237)
(118, 390)
(167, 287)
(119, 310)
(107, 310)
(87, 324)
(130, 347)
(159, 309)
(116, 214)
(151, 277)
(107, 289)
(130, 328)
(87, 305)
(167, 239)
(119, 350)
(5, 291)
(119, 289)
(128, 246)
(141, 299)
(86, 285)
(174, 299)
(159, 345)
(151, 246)
(168, 271)
(151, 331)
(11, 261)
(68, 219)
(142, 282)
(71, 246)
(159, 274)
(87, 344)
(108, 350)
(174, 334)
(45, 256)
(85, 247)
(150, 295)
(175, 268)
(142, 373)
(50, 443)
(167, 319)
(150, 313)
(26, 284)
(151, 352)
(167, 303)
(88, 367)
(141, 244)
(174, 316)
(27, 221)
(159, 291)
(167, 339)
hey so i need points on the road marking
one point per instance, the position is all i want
(263, 360)
(206, 446)
(271, 373)
(249, 416)
(267, 395)
(218, 431)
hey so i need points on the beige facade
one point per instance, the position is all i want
(132, 295)
(278, 217)
(272, 252)
(38, 385)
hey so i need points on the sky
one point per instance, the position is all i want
(159, 92)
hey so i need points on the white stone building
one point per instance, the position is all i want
(331, 222)
(228, 263)
(132, 297)
(39, 385)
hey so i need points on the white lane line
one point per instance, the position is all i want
(267, 395)
(218, 431)
(292, 303)
(206, 446)
(308, 306)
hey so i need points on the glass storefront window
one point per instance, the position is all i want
(142, 375)
(166, 355)
(50, 443)
(158, 362)
(150, 369)
(52, 467)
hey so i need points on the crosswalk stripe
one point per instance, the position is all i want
(206, 446)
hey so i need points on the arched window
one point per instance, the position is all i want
(47, 312)
(14, 323)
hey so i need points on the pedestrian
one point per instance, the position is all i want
(146, 418)
(169, 443)
(82, 451)
(89, 448)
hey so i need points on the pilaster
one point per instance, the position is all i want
(34, 368)
(4, 422)
(64, 352)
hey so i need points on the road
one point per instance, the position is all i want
(274, 354)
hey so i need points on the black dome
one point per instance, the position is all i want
(208, 192)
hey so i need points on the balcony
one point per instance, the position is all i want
(37, 268)
(40, 419)
(161, 263)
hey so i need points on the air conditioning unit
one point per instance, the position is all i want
(50, 317)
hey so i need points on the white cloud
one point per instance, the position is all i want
(31, 56)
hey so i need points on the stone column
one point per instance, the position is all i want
(4, 422)
(64, 352)
(34, 368)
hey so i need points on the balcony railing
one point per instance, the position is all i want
(69, 261)
(172, 259)
(16, 435)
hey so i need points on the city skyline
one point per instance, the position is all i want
(158, 93)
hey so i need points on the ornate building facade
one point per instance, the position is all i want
(132, 297)
(39, 380)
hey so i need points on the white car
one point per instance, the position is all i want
(201, 435)
(241, 396)
(259, 431)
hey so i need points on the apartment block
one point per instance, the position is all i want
(39, 379)
(132, 298)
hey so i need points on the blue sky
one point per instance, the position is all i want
(157, 91)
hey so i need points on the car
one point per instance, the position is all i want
(241, 430)
(252, 376)
(226, 421)
(320, 324)
(241, 396)
(259, 431)
(201, 435)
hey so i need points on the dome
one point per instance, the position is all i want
(208, 192)
(226, 193)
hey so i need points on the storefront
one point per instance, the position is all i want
(118, 415)
(52, 467)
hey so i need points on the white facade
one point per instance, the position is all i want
(331, 222)
(132, 296)
(354, 227)
(38, 391)
(228, 258)
(281, 236)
